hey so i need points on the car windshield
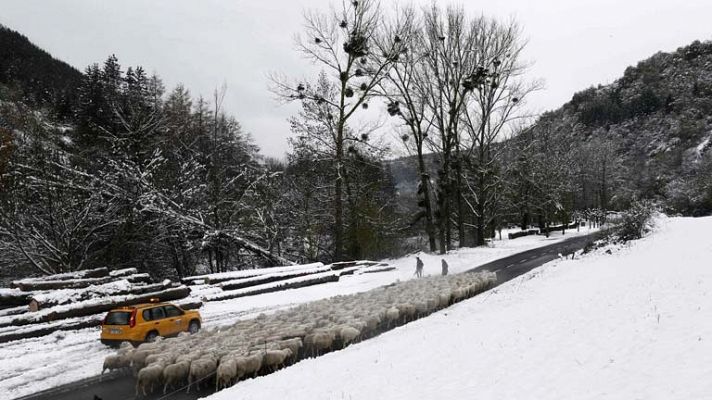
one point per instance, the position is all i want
(117, 318)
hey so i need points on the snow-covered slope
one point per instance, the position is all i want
(635, 324)
(31, 365)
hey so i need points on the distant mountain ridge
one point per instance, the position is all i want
(34, 77)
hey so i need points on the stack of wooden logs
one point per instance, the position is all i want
(38, 306)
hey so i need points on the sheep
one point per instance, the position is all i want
(273, 359)
(138, 359)
(253, 364)
(226, 373)
(348, 334)
(392, 315)
(147, 377)
(201, 369)
(293, 344)
(175, 374)
(116, 361)
(444, 299)
(319, 341)
(166, 358)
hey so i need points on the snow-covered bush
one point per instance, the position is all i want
(636, 221)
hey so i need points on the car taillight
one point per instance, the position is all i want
(132, 319)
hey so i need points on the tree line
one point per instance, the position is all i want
(169, 183)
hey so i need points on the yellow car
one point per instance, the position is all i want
(145, 322)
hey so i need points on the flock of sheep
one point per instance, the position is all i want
(264, 344)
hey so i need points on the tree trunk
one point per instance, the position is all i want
(462, 239)
(425, 184)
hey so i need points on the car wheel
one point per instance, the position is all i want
(193, 327)
(151, 336)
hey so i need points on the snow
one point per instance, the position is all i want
(248, 273)
(282, 274)
(32, 365)
(79, 354)
(634, 324)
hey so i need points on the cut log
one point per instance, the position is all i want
(294, 283)
(247, 273)
(94, 306)
(123, 272)
(269, 278)
(342, 264)
(45, 300)
(190, 304)
(13, 298)
(376, 268)
(26, 332)
(34, 285)
(139, 278)
(14, 311)
(85, 274)
(348, 271)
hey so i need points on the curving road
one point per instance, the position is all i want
(119, 386)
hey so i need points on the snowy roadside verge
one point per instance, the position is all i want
(633, 324)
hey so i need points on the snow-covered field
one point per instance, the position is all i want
(634, 324)
(32, 365)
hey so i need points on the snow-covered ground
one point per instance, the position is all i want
(634, 324)
(32, 365)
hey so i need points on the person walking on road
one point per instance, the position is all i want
(445, 267)
(418, 267)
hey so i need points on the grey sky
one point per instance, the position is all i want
(202, 44)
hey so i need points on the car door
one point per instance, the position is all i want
(175, 322)
(158, 321)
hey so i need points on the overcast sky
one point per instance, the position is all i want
(203, 43)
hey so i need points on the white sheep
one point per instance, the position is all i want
(392, 315)
(348, 334)
(252, 364)
(319, 341)
(226, 373)
(293, 344)
(200, 370)
(175, 374)
(116, 361)
(148, 377)
(274, 359)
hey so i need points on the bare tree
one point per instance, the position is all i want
(498, 92)
(405, 87)
(346, 43)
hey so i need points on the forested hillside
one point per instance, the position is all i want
(652, 128)
(31, 75)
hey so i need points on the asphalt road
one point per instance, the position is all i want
(118, 386)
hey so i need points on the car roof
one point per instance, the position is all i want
(140, 306)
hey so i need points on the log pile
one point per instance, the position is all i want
(231, 285)
(38, 306)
